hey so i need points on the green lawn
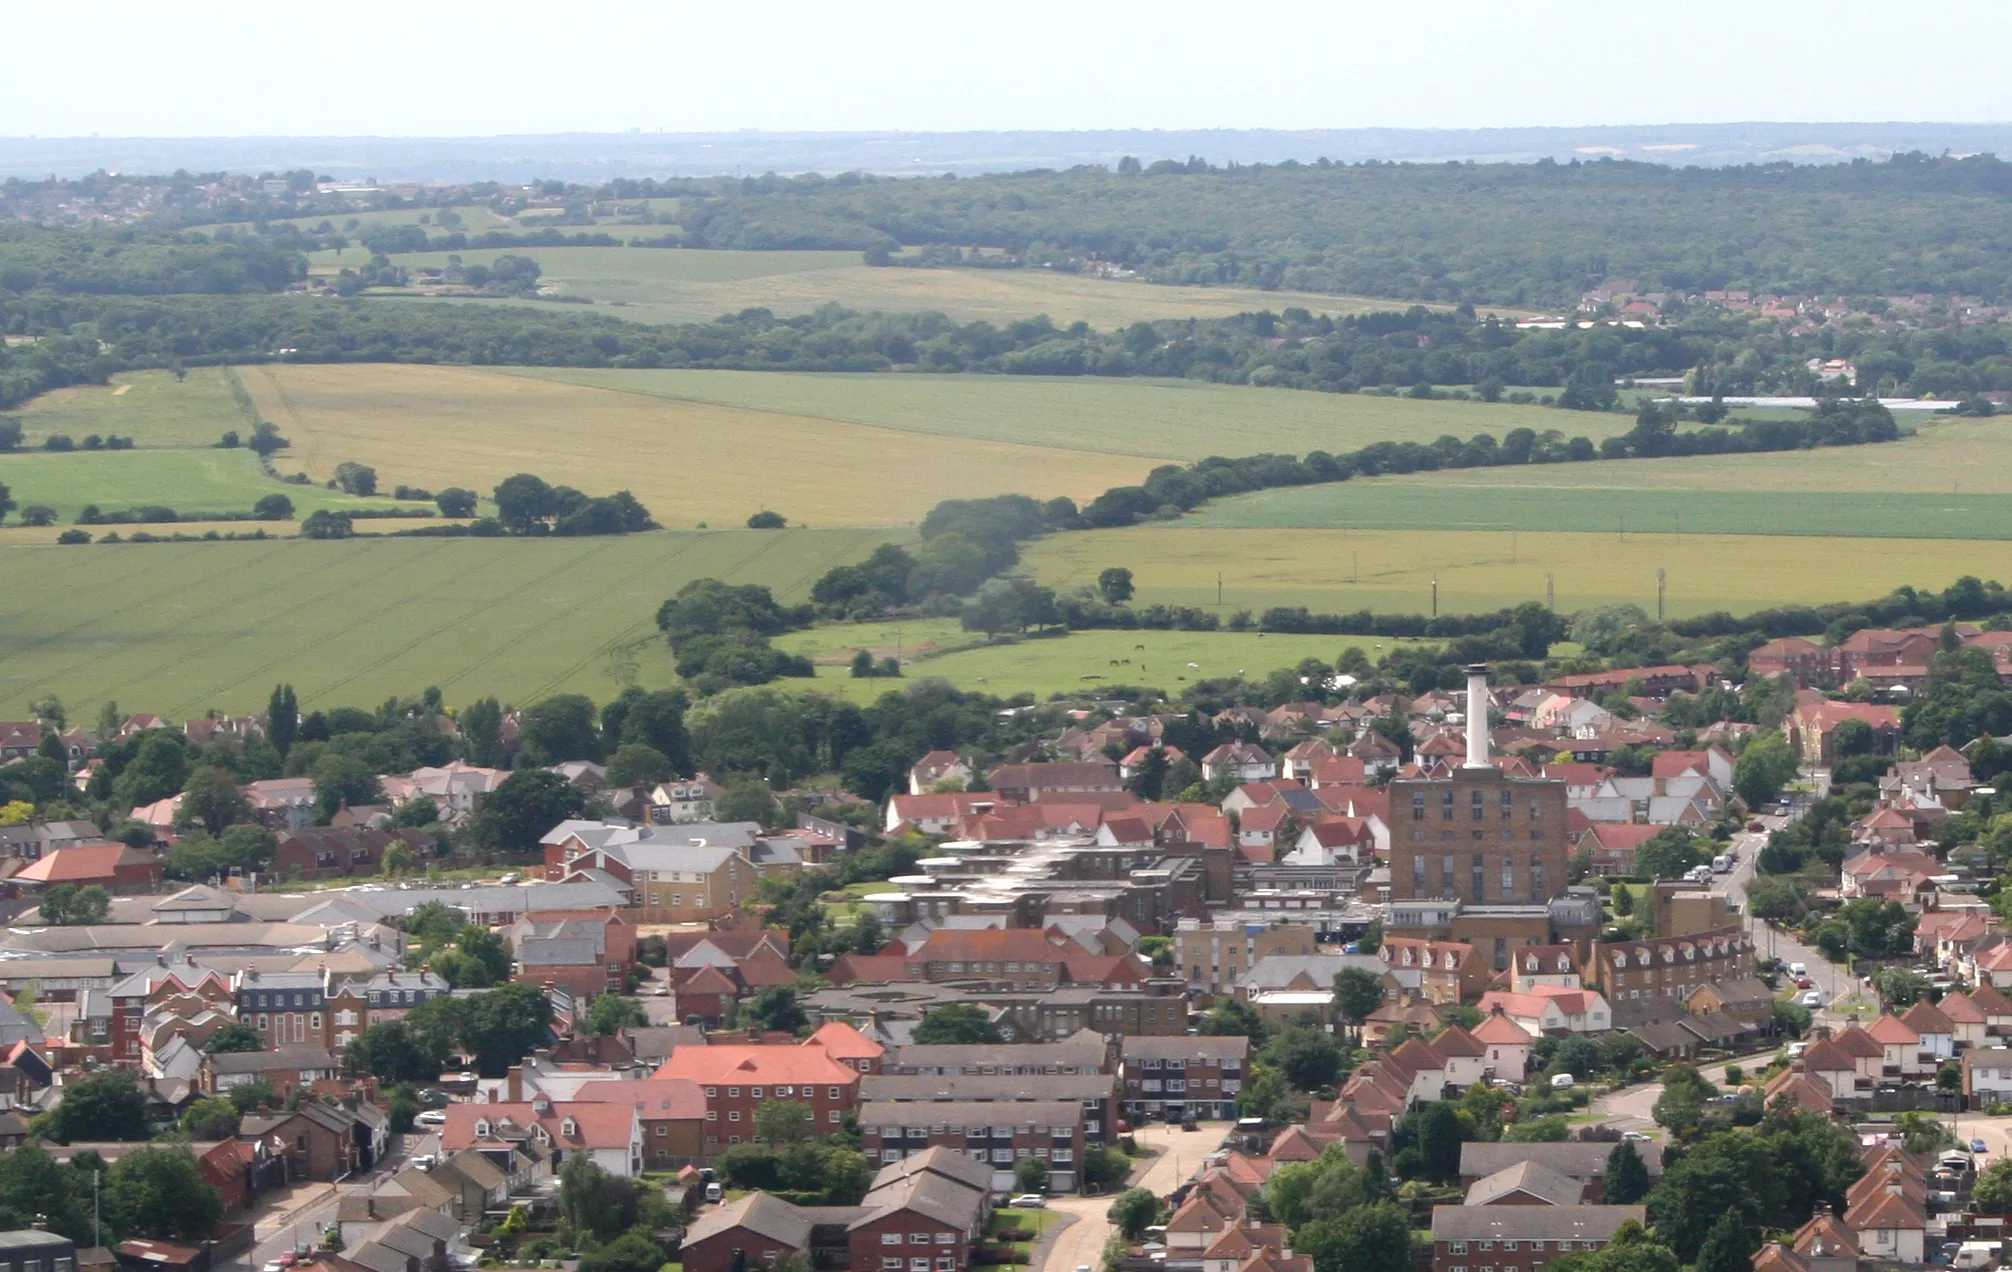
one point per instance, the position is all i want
(1175, 419)
(179, 628)
(205, 481)
(1519, 502)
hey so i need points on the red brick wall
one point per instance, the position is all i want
(716, 1253)
(730, 1109)
(871, 1250)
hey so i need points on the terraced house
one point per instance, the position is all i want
(1174, 1077)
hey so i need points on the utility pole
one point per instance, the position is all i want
(1219, 589)
(97, 1238)
(1550, 591)
(1662, 588)
(1435, 596)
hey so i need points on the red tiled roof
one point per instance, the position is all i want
(595, 1125)
(842, 1042)
(655, 1100)
(963, 946)
(82, 863)
(1889, 1030)
(755, 1066)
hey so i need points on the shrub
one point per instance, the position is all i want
(766, 520)
(74, 536)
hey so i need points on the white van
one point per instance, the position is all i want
(1723, 863)
(1562, 1081)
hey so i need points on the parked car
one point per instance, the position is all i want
(512, 877)
(1634, 1137)
(1028, 1201)
(431, 1117)
(423, 1161)
(1979, 1146)
(433, 1097)
(714, 1192)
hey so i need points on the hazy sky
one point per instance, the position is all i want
(228, 68)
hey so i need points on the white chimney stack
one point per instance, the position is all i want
(1477, 716)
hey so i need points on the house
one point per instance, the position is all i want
(117, 868)
(282, 1068)
(1526, 1183)
(683, 800)
(281, 803)
(609, 1133)
(1888, 1215)
(1987, 1075)
(936, 768)
(1809, 726)
(1521, 1238)
(1585, 1162)
(672, 1113)
(1015, 957)
(1550, 1010)
(1449, 971)
(1807, 662)
(1031, 783)
(1506, 1046)
(1214, 955)
(589, 953)
(330, 852)
(1239, 761)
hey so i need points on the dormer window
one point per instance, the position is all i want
(570, 1127)
(482, 1128)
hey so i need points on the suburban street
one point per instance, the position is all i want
(1179, 1153)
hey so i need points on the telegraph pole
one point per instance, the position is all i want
(1435, 596)
(1662, 589)
(1550, 591)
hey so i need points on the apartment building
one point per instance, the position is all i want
(1213, 956)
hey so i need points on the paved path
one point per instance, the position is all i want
(1180, 1154)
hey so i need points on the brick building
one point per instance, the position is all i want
(1175, 1077)
(672, 1112)
(738, 1079)
(998, 1132)
(1014, 958)
(1520, 1238)
(1095, 1093)
(588, 953)
(1213, 956)
(1671, 969)
(117, 868)
(329, 852)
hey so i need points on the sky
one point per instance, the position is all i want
(367, 67)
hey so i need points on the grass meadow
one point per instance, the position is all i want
(192, 482)
(1392, 571)
(1076, 663)
(673, 285)
(151, 407)
(181, 628)
(688, 461)
(1156, 419)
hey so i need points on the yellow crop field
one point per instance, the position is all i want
(689, 462)
(1392, 571)
(679, 285)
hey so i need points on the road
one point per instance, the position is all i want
(1180, 1153)
(1830, 980)
(295, 1218)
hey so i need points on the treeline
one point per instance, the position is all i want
(1514, 234)
(386, 240)
(140, 262)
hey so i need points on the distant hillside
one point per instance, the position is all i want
(1513, 234)
(594, 157)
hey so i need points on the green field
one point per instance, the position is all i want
(180, 628)
(1177, 419)
(1341, 571)
(193, 482)
(1078, 663)
(1399, 504)
(678, 285)
(151, 407)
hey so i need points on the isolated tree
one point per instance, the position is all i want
(956, 1023)
(282, 719)
(104, 1106)
(612, 1013)
(1030, 1175)
(161, 1192)
(774, 1009)
(456, 502)
(211, 799)
(235, 1036)
(501, 1026)
(1115, 585)
(784, 1122)
(211, 1118)
(1627, 1177)
(747, 799)
(1357, 993)
(522, 808)
(392, 1053)
(1133, 1211)
(1764, 767)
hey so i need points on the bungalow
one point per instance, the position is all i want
(117, 868)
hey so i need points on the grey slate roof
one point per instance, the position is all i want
(971, 1086)
(1574, 1160)
(970, 1113)
(1179, 1048)
(279, 1058)
(1531, 1223)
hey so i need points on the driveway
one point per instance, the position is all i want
(1180, 1154)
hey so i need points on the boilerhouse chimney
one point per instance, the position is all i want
(1477, 715)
